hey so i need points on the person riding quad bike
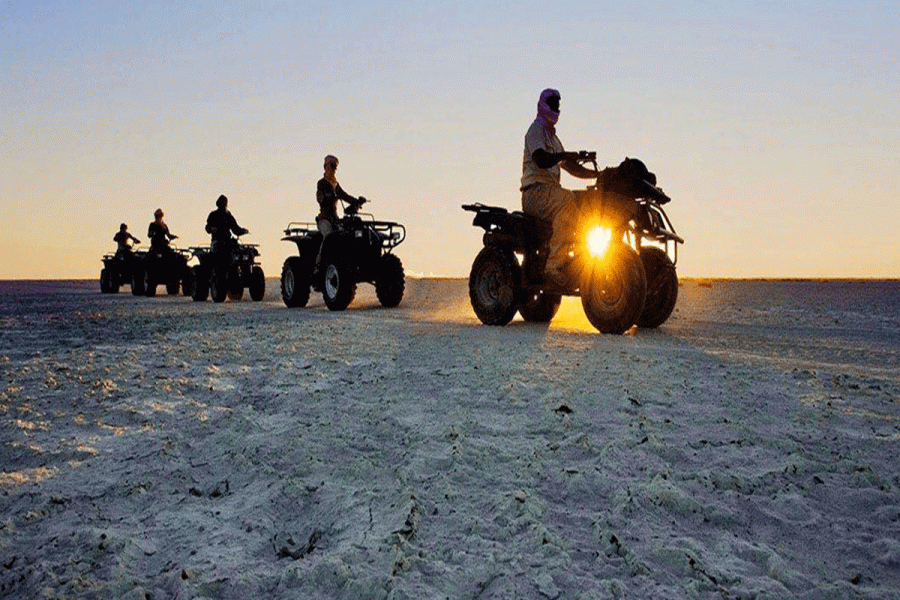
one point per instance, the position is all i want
(117, 268)
(162, 264)
(124, 240)
(337, 254)
(220, 224)
(587, 243)
(621, 255)
(542, 194)
(328, 192)
(226, 266)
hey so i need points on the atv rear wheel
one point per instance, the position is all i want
(199, 284)
(613, 293)
(662, 287)
(173, 287)
(257, 287)
(340, 286)
(294, 282)
(540, 307)
(494, 285)
(390, 281)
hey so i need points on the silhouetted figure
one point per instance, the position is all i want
(542, 194)
(159, 233)
(123, 240)
(328, 192)
(220, 224)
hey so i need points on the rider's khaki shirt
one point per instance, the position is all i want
(538, 137)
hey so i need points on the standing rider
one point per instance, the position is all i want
(158, 232)
(328, 192)
(123, 240)
(542, 194)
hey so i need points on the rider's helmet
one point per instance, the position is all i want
(222, 201)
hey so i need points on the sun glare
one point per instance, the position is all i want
(598, 240)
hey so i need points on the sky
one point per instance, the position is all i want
(774, 126)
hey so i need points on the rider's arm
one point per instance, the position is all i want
(575, 169)
(566, 160)
(544, 159)
(323, 191)
(235, 228)
(340, 193)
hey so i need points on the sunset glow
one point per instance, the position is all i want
(761, 123)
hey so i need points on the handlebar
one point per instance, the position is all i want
(352, 208)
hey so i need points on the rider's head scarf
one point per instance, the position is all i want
(330, 174)
(546, 116)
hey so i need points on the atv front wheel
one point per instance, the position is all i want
(187, 283)
(662, 287)
(199, 284)
(494, 285)
(257, 285)
(218, 284)
(613, 292)
(149, 284)
(540, 307)
(235, 285)
(390, 281)
(173, 287)
(106, 284)
(294, 282)
(137, 280)
(340, 286)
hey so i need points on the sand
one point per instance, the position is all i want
(162, 448)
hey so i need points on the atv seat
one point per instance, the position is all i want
(532, 228)
(515, 227)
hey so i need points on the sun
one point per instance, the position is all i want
(598, 239)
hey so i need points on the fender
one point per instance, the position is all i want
(335, 244)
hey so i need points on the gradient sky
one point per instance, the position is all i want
(774, 126)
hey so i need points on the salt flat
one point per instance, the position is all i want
(162, 448)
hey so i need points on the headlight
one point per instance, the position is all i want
(598, 239)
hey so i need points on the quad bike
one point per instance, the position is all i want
(225, 273)
(117, 270)
(359, 250)
(622, 256)
(166, 266)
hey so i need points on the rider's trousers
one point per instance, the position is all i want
(557, 205)
(325, 227)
